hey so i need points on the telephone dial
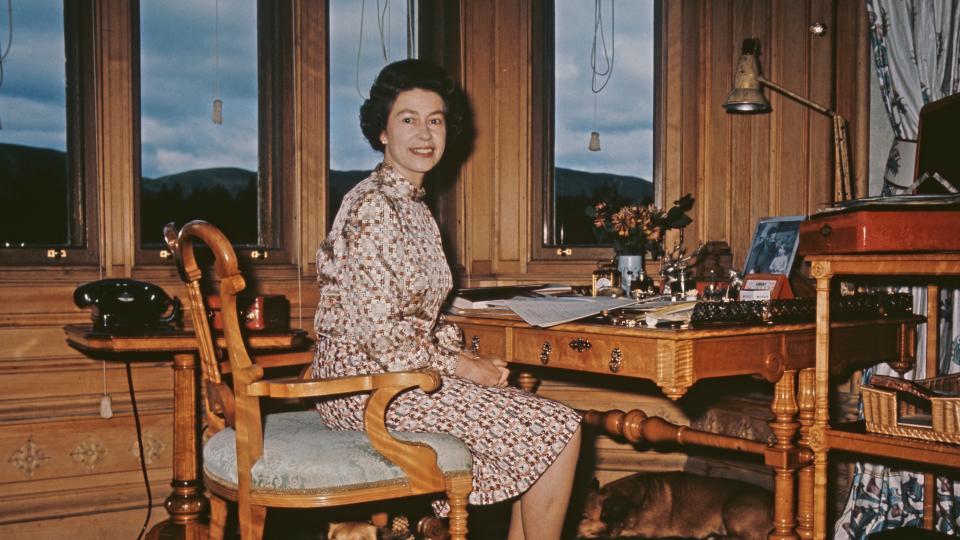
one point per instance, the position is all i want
(127, 304)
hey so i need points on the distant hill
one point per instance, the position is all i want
(227, 196)
(33, 178)
(233, 179)
(579, 190)
(574, 183)
(340, 183)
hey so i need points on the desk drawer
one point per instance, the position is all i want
(596, 353)
(485, 340)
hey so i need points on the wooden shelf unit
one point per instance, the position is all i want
(931, 269)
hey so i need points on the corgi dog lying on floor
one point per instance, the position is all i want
(678, 504)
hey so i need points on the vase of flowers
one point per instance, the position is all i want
(634, 230)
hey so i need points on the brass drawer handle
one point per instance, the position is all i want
(580, 344)
(475, 344)
(545, 352)
(616, 357)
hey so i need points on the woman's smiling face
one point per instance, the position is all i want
(416, 133)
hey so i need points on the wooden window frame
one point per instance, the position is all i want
(276, 139)
(543, 246)
(82, 247)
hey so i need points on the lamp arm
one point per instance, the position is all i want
(796, 97)
(841, 188)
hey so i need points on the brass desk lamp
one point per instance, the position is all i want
(747, 97)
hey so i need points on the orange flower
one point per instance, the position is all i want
(624, 221)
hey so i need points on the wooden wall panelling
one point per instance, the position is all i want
(480, 181)
(311, 159)
(689, 85)
(713, 186)
(821, 70)
(512, 36)
(106, 526)
(114, 70)
(741, 177)
(788, 65)
(854, 62)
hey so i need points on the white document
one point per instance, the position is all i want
(550, 311)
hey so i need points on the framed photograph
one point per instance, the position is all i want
(774, 246)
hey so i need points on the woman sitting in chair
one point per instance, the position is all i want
(383, 277)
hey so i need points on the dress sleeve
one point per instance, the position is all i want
(372, 256)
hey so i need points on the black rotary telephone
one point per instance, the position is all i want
(127, 304)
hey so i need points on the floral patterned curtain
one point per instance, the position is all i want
(916, 52)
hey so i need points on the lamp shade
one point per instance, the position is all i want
(747, 95)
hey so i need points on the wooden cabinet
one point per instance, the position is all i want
(929, 268)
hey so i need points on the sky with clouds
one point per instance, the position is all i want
(624, 108)
(183, 57)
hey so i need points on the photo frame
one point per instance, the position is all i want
(774, 246)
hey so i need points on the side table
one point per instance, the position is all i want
(186, 504)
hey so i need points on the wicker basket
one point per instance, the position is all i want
(885, 414)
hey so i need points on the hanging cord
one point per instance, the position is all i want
(383, 19)
(359, 48)
(143, 462)
(608, 56)
(6, 50)
(217, 102)
(384, 28)
(600, 77)
(411, 31)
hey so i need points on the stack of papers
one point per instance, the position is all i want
(495, 297)
(550, 311)
(676, 312)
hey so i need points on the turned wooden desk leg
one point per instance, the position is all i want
(527, 381)
(817, 437)
(186, 504)
(805, 474)
(784, 427)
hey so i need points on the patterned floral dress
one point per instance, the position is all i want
(383, 278)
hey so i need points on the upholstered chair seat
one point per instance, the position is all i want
(301, 454)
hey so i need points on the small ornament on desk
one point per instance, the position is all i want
(673, 271)
(604, 277)
(733, 290)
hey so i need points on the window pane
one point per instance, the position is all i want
(622, 116)
(192, 53)
(34, 168)
(355, 60)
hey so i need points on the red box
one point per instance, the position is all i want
(888, 229)
(262, 312)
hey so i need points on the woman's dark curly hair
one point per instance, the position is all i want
(402, 76)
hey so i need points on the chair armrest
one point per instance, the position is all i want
(291, 387)
(417, 460)
(276, 359)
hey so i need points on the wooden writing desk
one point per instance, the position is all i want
(186, 504)
(677, 359)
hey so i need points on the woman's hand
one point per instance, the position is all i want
(488, 371)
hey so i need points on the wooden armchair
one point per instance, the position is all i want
(290, 459)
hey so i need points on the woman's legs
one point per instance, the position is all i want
(539, 512)
(516, 521)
